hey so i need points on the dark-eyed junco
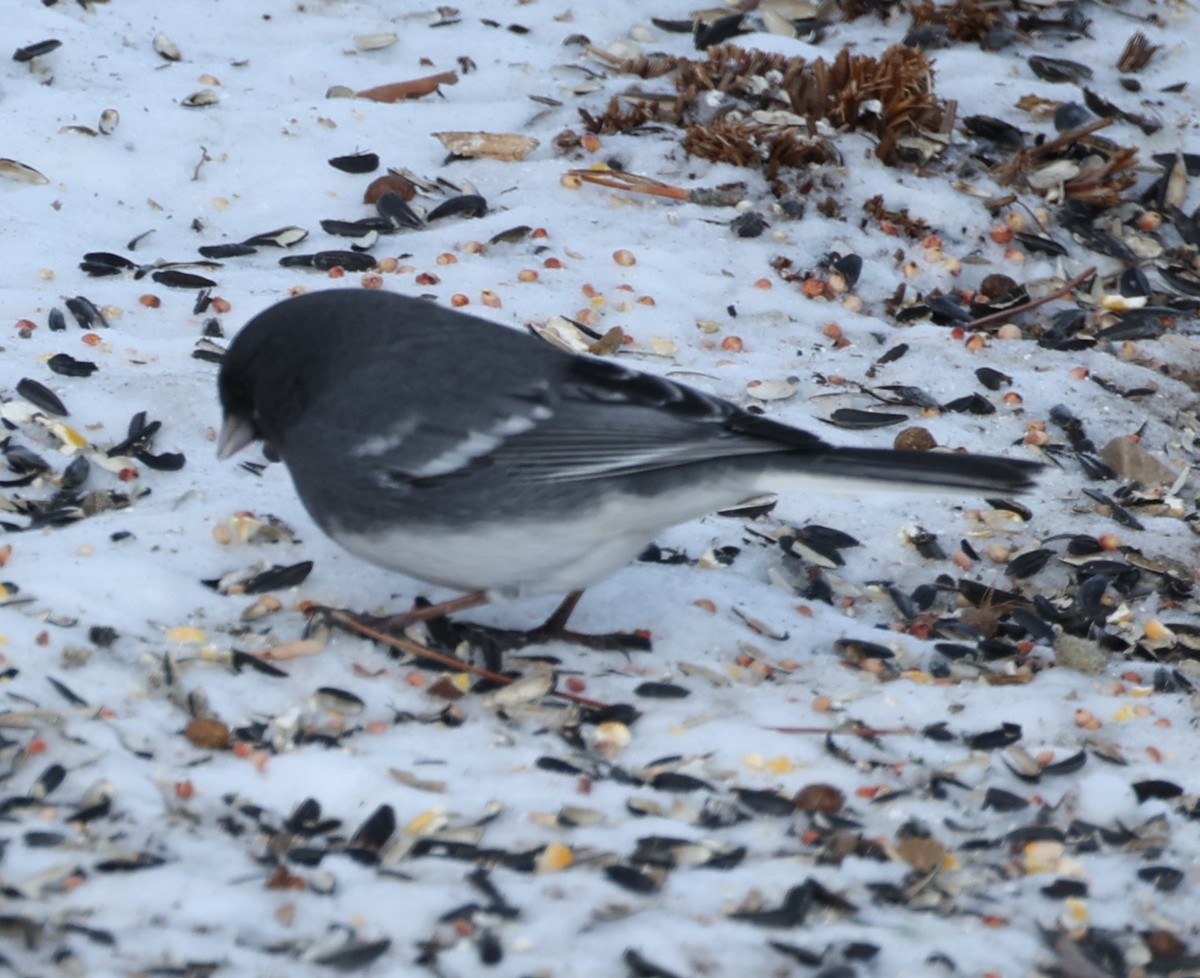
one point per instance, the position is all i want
(478, 457)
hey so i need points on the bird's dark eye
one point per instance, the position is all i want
(270, 452)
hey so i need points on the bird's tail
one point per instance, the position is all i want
(914, 470)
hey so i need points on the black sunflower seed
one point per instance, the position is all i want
(68, 366)
(1002, 736)
(661, 691)
(279, 238)
(36, 50)
(85, 313)
(351, 261)
(175, 279)
(162, 462)
(374, 833)
(1163, 878)
(1039, 244)
(973, 403)
(230, 249)
(1060, 889)
(130, 864)
(1059, 69)
(465, 205)
(355, 955)
(992, 379)
(858, 420)
(394, 208)
(41, 396)
(94, 263)
(1156, 788)
(356, 163)
(278, 578)
(1004, 801)
(675, 781)
(636, 879)
(1027, 564)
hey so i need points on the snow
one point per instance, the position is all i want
(256, 161)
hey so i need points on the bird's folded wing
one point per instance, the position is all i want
(594, 421)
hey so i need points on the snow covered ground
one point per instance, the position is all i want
(173, 807)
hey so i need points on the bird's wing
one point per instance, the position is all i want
(588, 419)
(613, 421)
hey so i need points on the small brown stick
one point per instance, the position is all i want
(351, 624)
(620, 180)
(603, 55)
(1063, 140)
(1005, 314)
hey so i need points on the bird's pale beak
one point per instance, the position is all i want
(236, 434)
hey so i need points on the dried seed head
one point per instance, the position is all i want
(914, 439)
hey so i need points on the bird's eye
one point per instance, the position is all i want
(270, 452)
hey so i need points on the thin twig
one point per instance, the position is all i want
(1006, 314)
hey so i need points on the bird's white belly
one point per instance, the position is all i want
(547, 554)
(546, 557)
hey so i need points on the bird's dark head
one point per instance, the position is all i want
(264, 381)
(236, 387)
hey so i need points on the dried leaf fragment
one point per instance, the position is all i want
(413, 88)
(507, 146)
(1137, 53)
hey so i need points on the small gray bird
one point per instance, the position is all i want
(469, 455)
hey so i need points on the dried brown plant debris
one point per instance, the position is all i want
(964, 20)
(646, 66)
(624, 115)
(732, 70)
(913, 227)
(853, 9)
(890, 97)
(1102, 176)
(1102, 181)
(752, 144)
(1137, 53)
